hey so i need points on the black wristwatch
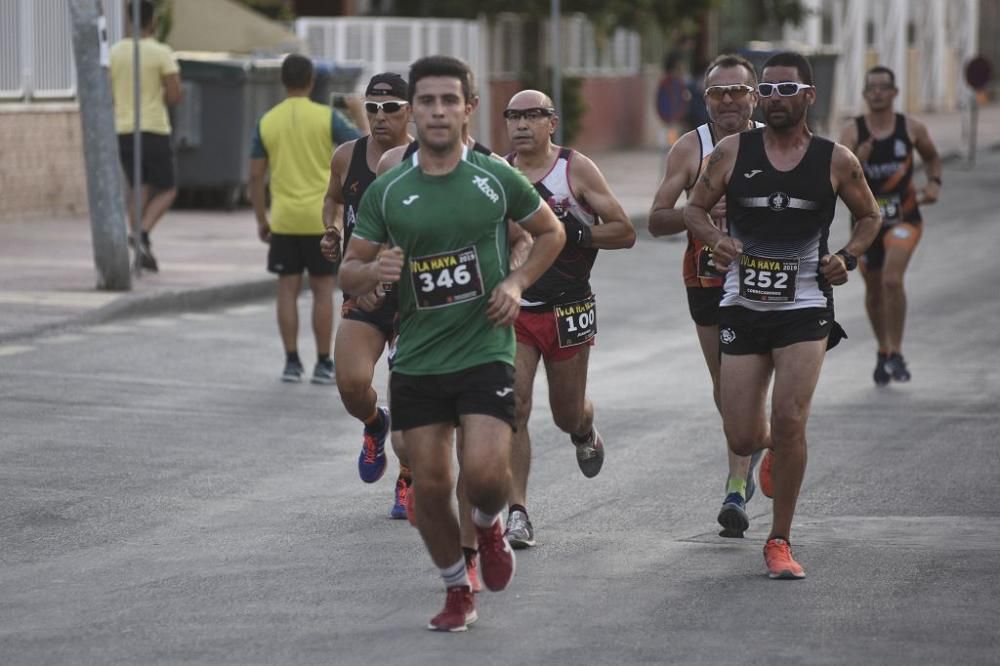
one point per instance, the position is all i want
(850, 261)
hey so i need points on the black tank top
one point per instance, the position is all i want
(889, 172)
(414, 145)
(567, 280)
(359, 177)
(781, 217)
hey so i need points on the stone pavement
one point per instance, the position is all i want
(209, 258)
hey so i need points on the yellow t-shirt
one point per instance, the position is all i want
(157, 61)
(297, 138)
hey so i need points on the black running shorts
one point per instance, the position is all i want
(290, 255)
(383, 318)
(420, 400)
(157, 160)
(703, 304)
(743, 331)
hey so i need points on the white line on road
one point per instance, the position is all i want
(10, 350)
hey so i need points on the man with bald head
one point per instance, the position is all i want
(557, 323)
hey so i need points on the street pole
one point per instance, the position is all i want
(100, 147)
(556, 65)
(137, 136)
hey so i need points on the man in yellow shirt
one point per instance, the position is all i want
(295, 141)
(160, 85)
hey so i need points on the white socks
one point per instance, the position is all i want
(455, 574)
(483, 520)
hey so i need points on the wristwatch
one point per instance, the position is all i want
(850, 261)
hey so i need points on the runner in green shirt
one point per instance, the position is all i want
(445, 212)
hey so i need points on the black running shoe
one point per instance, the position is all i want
(897, 368)
(881, 375)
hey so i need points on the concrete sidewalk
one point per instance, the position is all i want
(208, 259)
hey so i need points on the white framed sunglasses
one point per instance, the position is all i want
(391, 106)
(784, 89)
(735, 91)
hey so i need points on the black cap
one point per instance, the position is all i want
(396, 83)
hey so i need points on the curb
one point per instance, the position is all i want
(131, 305)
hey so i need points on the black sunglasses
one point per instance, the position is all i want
(388, 107)
(531, 114)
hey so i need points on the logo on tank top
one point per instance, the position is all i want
(778, 201)
(899, 148)
(559, 206)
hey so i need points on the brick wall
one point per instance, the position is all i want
(41, 161)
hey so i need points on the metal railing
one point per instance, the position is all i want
(36, 48)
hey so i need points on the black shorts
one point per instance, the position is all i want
(420, 400)
(290, 255)
(743, 331)
(703, 303)
(383, 318)
(158, 169)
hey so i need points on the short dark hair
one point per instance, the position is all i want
(296, 71)
(146, 13)
(439, 65)
(792, 59)
(881, 69)
(733, 60)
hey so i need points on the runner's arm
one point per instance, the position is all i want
(520, 242)
(366, 265)
(615, 231)
(664, 218)
(172, 90)
(709, 189)
(389, 159)
(334, 200)
(548, 236)
(852, 188)
(933, 165)
(258, 174)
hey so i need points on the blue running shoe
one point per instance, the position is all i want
(398, 510)
(372, 461)
(751, 481)
(733, 517)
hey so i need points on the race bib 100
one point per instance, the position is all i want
(576, 323)
(768, 280)
(440, 280)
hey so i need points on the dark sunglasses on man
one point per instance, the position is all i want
(736, 91)
(535, 113)
(784, 89)
(389, 107)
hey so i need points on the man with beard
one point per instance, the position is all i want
(367, 321)
(446, 209)
(730, 96)
(884, 141)
(781, 185)
(558, 319)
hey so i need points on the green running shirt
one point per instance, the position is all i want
(453, 233)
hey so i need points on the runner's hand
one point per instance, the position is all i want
(718, 214)
(330, 244)
(390, 264)
(372, 300)
(930, 193)
(504, 304)
(833, 268)
(725, 252)
(264, 232)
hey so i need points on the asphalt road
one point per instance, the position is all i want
(164, 499)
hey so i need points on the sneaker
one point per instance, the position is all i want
(372, 460)
(519, 533)
(779, 561)
(751, 482)
(896, 367)
(323, 373)
(881, 375)
(472, 570)
(765, 479)
(590, 454)
(293, 372)
(144, 257)
(459, 611)
(496, 559)
(398, 510)
(733, 516)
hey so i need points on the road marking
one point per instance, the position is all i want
(156, 322)
(198, 316)
(111, 329)
(60, 299)
(64, 339)
(10, 350)
(247, 309)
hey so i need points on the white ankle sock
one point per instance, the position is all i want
(455, 574)
(483, 520)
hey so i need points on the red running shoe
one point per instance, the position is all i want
(766, 480)
(408, 504)
(779, 561)
(472, 569)
(496, 558)
(459, 611)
